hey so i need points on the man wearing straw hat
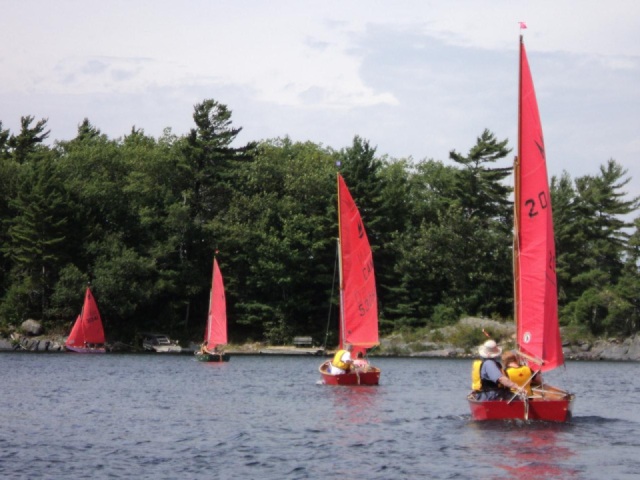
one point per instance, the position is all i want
(489, 381)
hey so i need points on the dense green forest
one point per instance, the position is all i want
(140, 219)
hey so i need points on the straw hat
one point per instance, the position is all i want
(489, 349)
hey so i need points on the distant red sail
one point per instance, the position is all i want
(535, 269)
(88, 326)
(216, 333)
(76, 336)
(359, 301)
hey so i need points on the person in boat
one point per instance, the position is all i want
(203, 349)
(489, 381)
(519, 372)
(361, 363)
(342, 361)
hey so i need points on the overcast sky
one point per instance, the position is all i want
(416, 78)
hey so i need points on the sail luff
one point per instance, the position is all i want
(341, 328)
(516, 204)
(538, 333)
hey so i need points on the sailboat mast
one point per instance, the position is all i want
(516, 200)
(207, 333)
(341, 329)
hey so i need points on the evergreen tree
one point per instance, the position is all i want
(29, 138)
(277, 242)
(479, 189)
(36, 236)
(600, 208)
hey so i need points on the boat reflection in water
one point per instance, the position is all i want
(355, 405)
(528, 450)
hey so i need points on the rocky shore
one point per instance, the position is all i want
(602, 349)
(30, 338)
(611, 349)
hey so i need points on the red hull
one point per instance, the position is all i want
(554, 407)
(369, 377)
(85, 350)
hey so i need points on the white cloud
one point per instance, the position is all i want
(415, 77)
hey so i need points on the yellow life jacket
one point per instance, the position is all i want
(476, 383)
(337, 361)
(520, 376)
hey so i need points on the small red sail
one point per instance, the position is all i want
(75, 337)
(88, 327)
(359, 301)
(535, 266)
(216, 332)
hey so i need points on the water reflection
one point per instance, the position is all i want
(355, 405)
(528, 450)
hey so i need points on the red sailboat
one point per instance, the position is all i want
(536, 299)
(358, 298)
(216, 330)
(87, 333)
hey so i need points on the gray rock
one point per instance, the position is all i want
(634, 348)
(5, 344)
(32, 327)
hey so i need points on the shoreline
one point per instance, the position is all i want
(627, 350)
(415, 345)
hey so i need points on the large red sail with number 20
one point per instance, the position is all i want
(359, 301)
(535, 273)
(216, 333)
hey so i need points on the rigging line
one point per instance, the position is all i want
(333, 286)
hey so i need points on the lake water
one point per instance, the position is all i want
(266, 417)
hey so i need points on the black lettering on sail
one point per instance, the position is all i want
(365, 260)
(365, 303)
(541, 148)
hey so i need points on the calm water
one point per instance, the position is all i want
(264, 417)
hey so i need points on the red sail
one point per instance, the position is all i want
(75, 337)
(216, 333)
(535, 272)
(88, 326)
(359, 301)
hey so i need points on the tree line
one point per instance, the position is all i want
(140, 218)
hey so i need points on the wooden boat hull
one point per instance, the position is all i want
(85, 349)
(370, 376)
(212, 357)
(549, 405)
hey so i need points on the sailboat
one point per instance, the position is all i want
(215, 334)
(87, 333)
(535, 290)
(358, 299)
